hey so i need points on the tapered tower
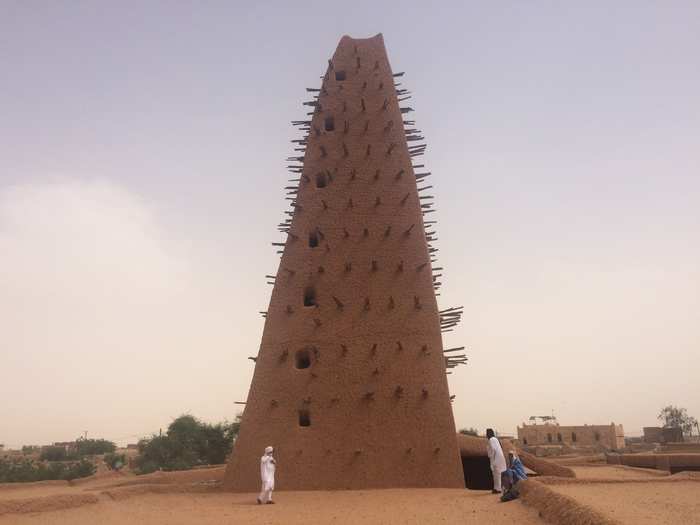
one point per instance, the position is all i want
(350, 380)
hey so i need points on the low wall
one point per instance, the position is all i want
(669, 462)
(559, 508)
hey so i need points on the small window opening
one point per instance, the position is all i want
(559, 438)
(310, 296)
(302, 359)
(329, 124)
(304, 418)
(321, 180)
(597, 436)
(524, 441)
(313, 239)
(549, 438)
(340, 75)
(573, 437)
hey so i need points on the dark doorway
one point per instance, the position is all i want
(477, 472)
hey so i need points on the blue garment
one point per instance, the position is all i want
(518, 469)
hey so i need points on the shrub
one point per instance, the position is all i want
(188, 442)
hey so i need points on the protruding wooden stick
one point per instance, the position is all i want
(338, 303)
(421, 266)
(405, 198)
(408, 232)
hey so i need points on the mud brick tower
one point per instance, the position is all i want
(350, 380)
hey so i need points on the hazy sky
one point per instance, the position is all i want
(142, 149)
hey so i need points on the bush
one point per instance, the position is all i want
(54, 454)
(25, 470)
(469, 431)
(187, 443)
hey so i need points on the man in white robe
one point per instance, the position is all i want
(267, 475)
(496, 458)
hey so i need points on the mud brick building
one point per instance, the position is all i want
(610, 436)
(350, 379)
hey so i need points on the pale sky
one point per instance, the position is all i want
(142, 149)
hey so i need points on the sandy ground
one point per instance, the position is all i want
(641, 503)
(393, 506)
(615, 472)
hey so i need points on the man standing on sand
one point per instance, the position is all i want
(267, 475)
(496, 458)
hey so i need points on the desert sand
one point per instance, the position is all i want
(156, 499)
(640, 503)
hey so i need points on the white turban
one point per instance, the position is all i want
(268, 450)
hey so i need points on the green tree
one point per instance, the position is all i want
(469, 431)
(188, 442)
(676, 417)
(91, 447)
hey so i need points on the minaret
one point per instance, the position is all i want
(350, 380)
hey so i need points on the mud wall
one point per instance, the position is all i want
(349, 383)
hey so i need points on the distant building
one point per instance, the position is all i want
(663, 435)
(610, 436)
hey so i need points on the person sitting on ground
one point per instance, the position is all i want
(516, 466)
(496, 459)
(511, 477)
(267, 474)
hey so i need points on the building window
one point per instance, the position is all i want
(321, 180)
(559, 437)
(310, 296)
(302, 359)
(549, 438)
(573, 437)
(596, 435)
(304, 418)
(524, 441)
(313, 239)
(329, 124)
(340, 75)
